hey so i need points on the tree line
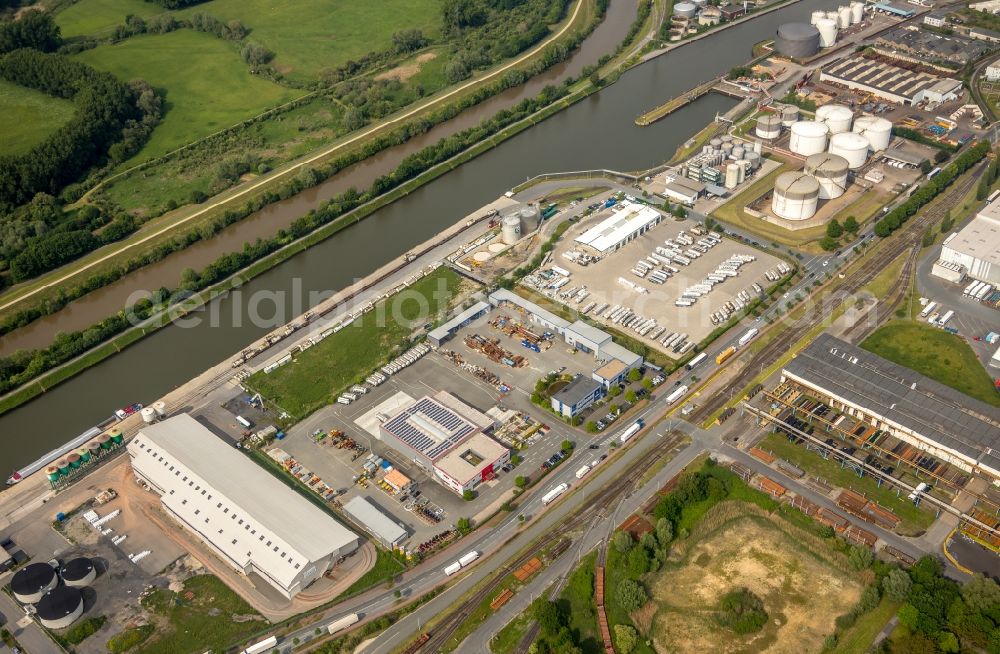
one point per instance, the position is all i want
(930, 190)
(34, 29)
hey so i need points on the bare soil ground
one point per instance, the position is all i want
(406, 71)
(802, 594)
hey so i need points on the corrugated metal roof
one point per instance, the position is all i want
(444, 330)
(929, 409)
(382, 526)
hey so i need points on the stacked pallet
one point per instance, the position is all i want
(501, 599)
(525, 571)
(766, 457)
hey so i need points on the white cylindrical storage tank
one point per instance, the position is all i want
(510, 229)
(738, 152)
(685, 9)
(732, 176)
(727, 148)
(160, 407)
(836, 116)
(795, 196)
(726, 138)
(827, 32)
(877, 130)
(753, 158)
(789, 114)
(60, 607)
(850, 146)
(816, 16)
(857, 12)
(808, 137)
(769, 126)
(843, 17)
(830, 170)
(832, 15)
(31, 582)
(148, 414)
(758, 147)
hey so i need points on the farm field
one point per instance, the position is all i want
(307, 36)
(29, 117)
(935, 353)
(315, 377)
(221, 94)
(801, 590)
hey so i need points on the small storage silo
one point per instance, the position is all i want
(510, 229)
(789, 115)
(52, 473)
(768, 126)
(796, 196)
(148, 414)
(30, 583)
(685, 9)
(73, 459)
(732, 176)
(843, 17)
(104, 440)
(850, 146)
(816, 16)
(78, 572)
(830, 170)
(827, 32)
(60, 607)
(84, 454)
(857, 12)
(161, 408)
(116, 436)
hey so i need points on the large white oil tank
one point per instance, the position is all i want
(510, 229)
(685, 9)
(843, 17)
(857, 12)
(789, 114)
(816, 16)
(160, 407)
(827, 32)
(795, 196)
(148, 415)
(877, 130)
(830, 170)
(808, 137)
(732, 176)
(836, 116)
(850, 146)
(768, 126)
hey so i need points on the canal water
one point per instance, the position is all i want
(597, 132)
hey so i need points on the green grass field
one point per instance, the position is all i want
(222, 92)
(913, 519)
(935, 353)
(386, 566)
(306, 35)
(29, 116)
(315, 377)
(203, 623)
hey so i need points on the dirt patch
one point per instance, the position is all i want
(406, 71)
(802, 594)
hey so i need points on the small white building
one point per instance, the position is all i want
(990, 6)
(248, 518)
(935, 20)
(993, 72)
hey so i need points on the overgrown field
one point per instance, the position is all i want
(315, 377)
(307, 36)
(206, 85)
(935, 353)
(29, 117)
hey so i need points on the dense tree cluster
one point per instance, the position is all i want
(104, 106)
(554, 635)
(989, 178)
(408, 40)
(232, 30)
(930, 190)
(741, 611)
(34, 29)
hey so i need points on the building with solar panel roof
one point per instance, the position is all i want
(448, 439)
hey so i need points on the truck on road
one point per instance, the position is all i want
(723, 356)
(549, 497)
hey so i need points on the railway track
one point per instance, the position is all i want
(601, 501)
(908, 239)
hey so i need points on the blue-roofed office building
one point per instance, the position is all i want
(576, 396)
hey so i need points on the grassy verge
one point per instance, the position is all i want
(80, 631)
(30, 116)
(508, 638)
(316, 376)
(935, 353)
(577, 601)
(386, 567)
(886, 280)
(204, 622)
(913, 519)
(859, 638)
(129, 638)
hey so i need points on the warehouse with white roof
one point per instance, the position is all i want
(249, 518)
(629, 222)
(976, 247)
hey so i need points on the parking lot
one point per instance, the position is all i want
(611, 281)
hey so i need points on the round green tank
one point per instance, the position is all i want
(74, 459)
(116, 436)
(84, 454)
(52, 473)
(105, 441)
(63, 466)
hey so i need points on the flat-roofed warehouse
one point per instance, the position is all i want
(628, 222)
(890, 82)
(444, 436)
(249, 518)
(976, 247)
(932, 417)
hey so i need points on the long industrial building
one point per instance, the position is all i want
(249, 518)
(628, 222)
(926, 414)
(445, 437)
(976, 247)
(890, 82)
